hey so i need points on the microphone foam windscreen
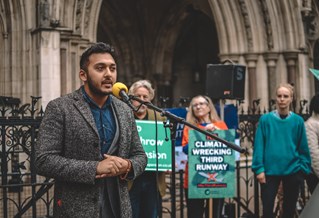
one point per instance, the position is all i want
(117, 87)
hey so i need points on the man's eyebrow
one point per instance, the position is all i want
(99, 63)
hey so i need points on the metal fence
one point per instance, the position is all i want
(23, 193)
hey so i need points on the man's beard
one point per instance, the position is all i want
(142, 110)
(95, 90)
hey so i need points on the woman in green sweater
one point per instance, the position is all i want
(281, 154)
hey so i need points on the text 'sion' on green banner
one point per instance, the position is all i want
(147, 133)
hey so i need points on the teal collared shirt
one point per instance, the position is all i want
(104, 120)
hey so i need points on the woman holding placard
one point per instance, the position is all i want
(201, 113)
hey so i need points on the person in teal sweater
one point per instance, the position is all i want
(281, 154)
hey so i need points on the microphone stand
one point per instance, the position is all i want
(174, 120)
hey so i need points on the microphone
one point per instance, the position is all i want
(120, 90)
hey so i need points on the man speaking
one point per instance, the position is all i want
(88, 142)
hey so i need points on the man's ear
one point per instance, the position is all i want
(83, 75)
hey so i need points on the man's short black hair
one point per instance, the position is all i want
(99, 47)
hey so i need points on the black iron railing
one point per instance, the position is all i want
(23, 193)
(21, 188)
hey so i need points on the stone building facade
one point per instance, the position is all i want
(167, 42)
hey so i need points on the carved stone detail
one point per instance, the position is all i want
(309, 13)
(264, 8)
(78, 16)
(87, 19)
(244, 12)
(44, 13)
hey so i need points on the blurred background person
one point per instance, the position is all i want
(281, 154)
(201, 113)
(312, 130)
(147, 190)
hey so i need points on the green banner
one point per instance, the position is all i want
(211, 165)
(147, 133)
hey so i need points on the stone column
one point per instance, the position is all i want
(49, 66)
(5, 77)
(291, 58)
(47, 41)
(251, 60)
(271, 60)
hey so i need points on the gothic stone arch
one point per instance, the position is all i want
(44, 39)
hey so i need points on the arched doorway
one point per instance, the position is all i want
(168, 43)
(197, 46)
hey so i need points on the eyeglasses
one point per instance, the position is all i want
(201, 104)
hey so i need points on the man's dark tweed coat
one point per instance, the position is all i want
(68, 150)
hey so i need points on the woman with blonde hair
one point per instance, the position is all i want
(281, 154)
(201, 113)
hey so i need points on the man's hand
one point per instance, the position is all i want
(261, 178)
(111, 166)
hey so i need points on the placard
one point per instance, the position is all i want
(147, 132)
(211, 165)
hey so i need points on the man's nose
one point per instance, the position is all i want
(107, 72)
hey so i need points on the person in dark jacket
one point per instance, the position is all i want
(147, 190)
(88, 142)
